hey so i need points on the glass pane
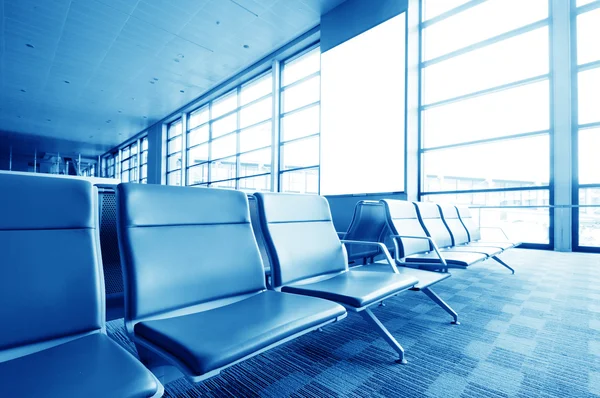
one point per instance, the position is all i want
(133, 161)
(224, 126)
(224, 104)
(500, 63)
(589, 159)
(302, 153)
(302, 94)
(198, 117)
(133, 175)
(174, 145)
(301, 67)
(174, 162)
(529, 225)
(256, 89)
(198, 154)
(257, 112)
(125, 176)
(300, 181)
(174, 129)
(223, 169)
(125, 152)
(174, 178)
(223, 146)
(125, 165)
(509, 163)
(198, 174)
(588, 32)
(433, 8)
(144, 157)
(589, 96)
(260, 183)
(589, 217)
(479, 23)
(198, 136)
(223, 184)
(144, 171)
(134, 148)
(257, 162)
(300, 124)
(256, 137)
(517, 110)
(145, 144)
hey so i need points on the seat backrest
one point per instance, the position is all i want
(456, 227)
(300, 236)
(258, 233)
(431, 218)
(369, 223)
(470, 225)
(51, 285)
(183, 246)
(402, 219)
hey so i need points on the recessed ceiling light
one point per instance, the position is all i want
(18, 117)
(145, 117)
(218, 22)
(246, 46)
(155, 79)
(30, 45)
(91, 136)
(152, 82)
(68, 82)
(181, 91)
(108, 121)
(23, 90)
(120, 111)
(176, 60)
(48, 120)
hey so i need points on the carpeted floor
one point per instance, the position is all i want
(532, 334)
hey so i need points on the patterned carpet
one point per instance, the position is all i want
(532, 334)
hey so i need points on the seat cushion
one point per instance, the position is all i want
(92, 366)
(208, 340)
(463, 259)
(487, 250)
(503, 245)
(355, 288)
(426, 278)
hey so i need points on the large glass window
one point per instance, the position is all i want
(229, 139)
(485, 111)
(300, 123)
(588, 118)
(174, 143)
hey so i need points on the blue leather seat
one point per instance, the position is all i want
(474, 232)
(422, 249)
(195, 295)
(369, 224)
(308, 258)
(52, 339)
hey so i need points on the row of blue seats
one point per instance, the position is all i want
(196, 299)
(427, 235)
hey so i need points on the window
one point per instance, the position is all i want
(588, 119)
(109, 165)
(300, 123)
(144, 161)
(229, 139)
(129, 163)
(485, 111)
(174, 143)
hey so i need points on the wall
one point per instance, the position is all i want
(344, 22)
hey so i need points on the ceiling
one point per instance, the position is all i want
(92, 73)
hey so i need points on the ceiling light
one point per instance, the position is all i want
(181, 91)
(246, 46)
(30, 45)
(68, 82)
(23, 90)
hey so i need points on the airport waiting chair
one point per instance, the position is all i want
(195, 296)
(415, 246)
(474, 231)
(259, 236)
(53, 340)
(308, 259)
(460, 236)
(369, 227)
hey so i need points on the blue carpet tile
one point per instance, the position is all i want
(532, 334)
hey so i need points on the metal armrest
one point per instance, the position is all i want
(385, 250)
(341, 234)
(431, 241)
(501, 230)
